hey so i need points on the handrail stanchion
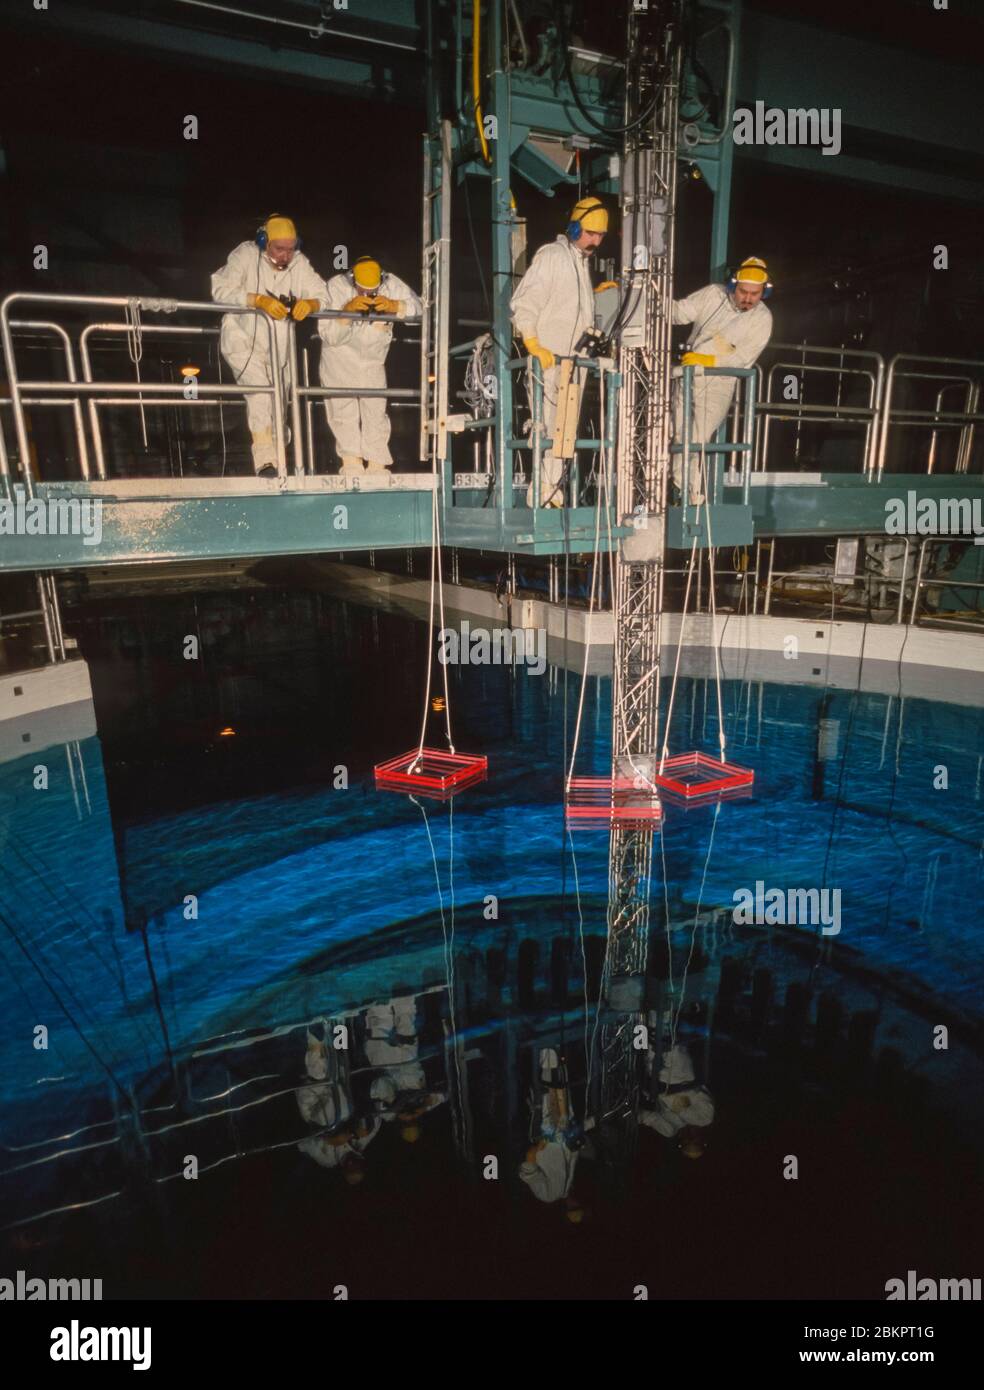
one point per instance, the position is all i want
(46, 617)
(20, 424)
(278, 398)
(918, 582)
(4, 464)
(905, 574)
(94, 424)
(308, 411)
(686, 390)
(71, 375)
(749, 440)
(297, 438)
(537, 430)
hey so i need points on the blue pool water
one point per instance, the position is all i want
(199, 885)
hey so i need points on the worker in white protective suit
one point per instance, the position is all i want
(325, 1102)
(680, 1104)
(551, 309)
(548, 1168)
(261, 274)
(400, 1092)
(353, 353)
(731, 326)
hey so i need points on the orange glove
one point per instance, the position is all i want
(543, 355)
(358, 305)
(606, 285)
(697, 359)
(303, 307)
(269, 305)
(386, 306)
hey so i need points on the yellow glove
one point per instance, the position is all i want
(386, 306)
(269, 305)
(697, 359)
(543, 355)
(606, 285)
(359, 305)
(303, 307)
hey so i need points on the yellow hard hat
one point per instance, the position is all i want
(367, 273)
(279, 228)
(752, 271)
(589, 215)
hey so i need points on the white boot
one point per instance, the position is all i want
(373, 467)
(351, 466)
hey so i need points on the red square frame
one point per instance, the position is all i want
(436, 773)
(720, 779)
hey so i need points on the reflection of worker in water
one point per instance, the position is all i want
(326, 1102)
(681, 1106)
(548, 1169)
(400, 1092)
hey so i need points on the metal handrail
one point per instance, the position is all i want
(744, 447)
(150, 305)
(920, 583)
(803, 410)
(924, 417)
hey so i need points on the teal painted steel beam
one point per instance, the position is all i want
(151, 528)
(379, 73)
(721, 215)
(502, 267)
(839, 504)
(935, 184)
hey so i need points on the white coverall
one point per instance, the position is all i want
(554, 303)
(354, 354)
(329, 1155)
(734, 338)
(392, 1046)
(245, 338)
(687, 1105)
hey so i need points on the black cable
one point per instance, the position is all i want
(639, 120)
(474, 242)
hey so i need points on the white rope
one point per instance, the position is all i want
(675, 1019)
(676, 664)
(435, 573)
(722, 740)
(594, 579)
(448, 946)
(440, 602)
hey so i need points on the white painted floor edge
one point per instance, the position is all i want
(44, 707)
(814, 637)
(174, 489)
(44, 687)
